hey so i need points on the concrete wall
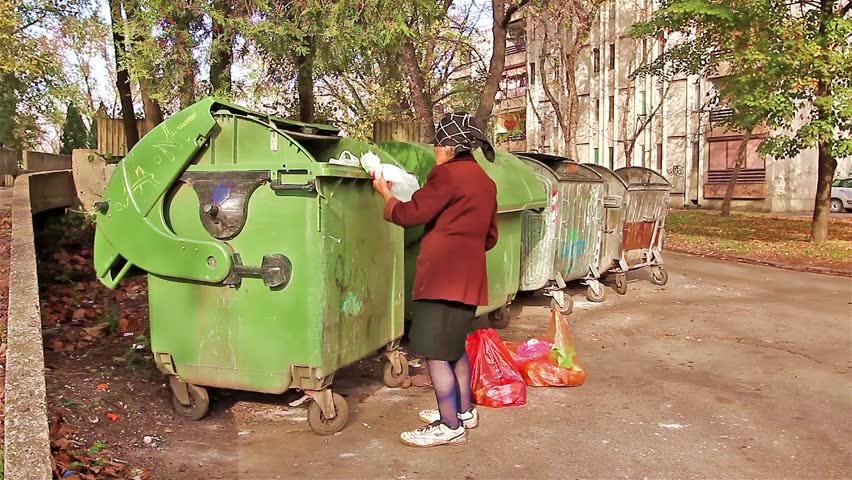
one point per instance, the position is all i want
(44, 162)
(16, 162)
(27, 443)
(9, 160)
(91, 174)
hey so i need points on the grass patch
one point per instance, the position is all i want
(780, 239)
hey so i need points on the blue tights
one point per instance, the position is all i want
(451, 381)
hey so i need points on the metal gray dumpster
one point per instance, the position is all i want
(645, 221)
(563, 242)
(615, 206)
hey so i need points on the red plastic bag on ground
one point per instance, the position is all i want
(494, 380)
(554, 367)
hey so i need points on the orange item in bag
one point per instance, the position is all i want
(558, 367)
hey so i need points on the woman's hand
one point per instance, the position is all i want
(382, 186)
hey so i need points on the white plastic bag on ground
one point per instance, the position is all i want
(403, 184)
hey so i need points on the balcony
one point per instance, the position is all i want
(520, 47)
(512, 100)
(513, 145)
(513, 141)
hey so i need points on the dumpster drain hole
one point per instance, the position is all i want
(211, 262)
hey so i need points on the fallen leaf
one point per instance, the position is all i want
(79, 314)
(103, 386)
(98, 331)
(113, 416)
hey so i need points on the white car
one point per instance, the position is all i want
(841, 194)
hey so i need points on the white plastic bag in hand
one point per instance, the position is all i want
(403, 184)
(346, 158)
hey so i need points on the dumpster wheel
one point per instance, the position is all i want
(199, 403)
(391, 379)
(621, 283)
(322, 425)
(659, 275)
(566, 309)
(595, 296)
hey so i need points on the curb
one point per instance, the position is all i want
(837, 272)
(27, 443)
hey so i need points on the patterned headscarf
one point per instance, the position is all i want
(463, 131)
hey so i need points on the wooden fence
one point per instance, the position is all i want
(111, 138)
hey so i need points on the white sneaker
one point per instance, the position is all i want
(434, 434)
(470, 418)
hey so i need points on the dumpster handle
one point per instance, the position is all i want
(280, 187)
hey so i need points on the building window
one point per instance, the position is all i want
(643, 161)
(699, 101)
(644, 104)
(723, 157)
(611, 158)
(597, 156)
(660, 157)
(532, 73)
(597, 109)
(612, 56)
(696, 155)
(611, 108)
(596, 59)
(612, 9)
(645, 49)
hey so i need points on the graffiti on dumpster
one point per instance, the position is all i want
(353, 285)
(352, 305)
(572, 248)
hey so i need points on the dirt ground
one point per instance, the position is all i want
(5, 239)
(729, 371)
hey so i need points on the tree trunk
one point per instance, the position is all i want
(420, 94)
(122, 77)
(555, 102)
(222, 49)
(501, 16)
(573, 106)
(188, 64)
(741, 158)
(305, 84)
(150, 105)
(495, 66)
(825, 175)
(827, 163)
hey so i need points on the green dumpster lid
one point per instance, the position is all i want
(564, 168)
(290, 126)
(517, 186)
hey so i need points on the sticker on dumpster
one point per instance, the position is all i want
(222, 191)
(554, 203)
(273, 141)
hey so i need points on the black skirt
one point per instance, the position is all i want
(439, 329)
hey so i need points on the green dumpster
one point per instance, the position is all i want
(517, 190)
(268, 268)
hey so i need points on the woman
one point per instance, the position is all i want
(458, 205)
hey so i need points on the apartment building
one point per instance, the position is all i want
(637, 121)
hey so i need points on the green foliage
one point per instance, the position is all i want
(786, 65)
(74, 132)
(92, 136)
(97, 447)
